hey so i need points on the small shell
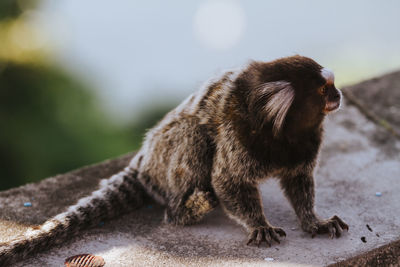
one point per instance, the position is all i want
(84, 260)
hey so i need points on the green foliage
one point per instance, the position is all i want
(13, 8)
(9, 8)
(50, 124)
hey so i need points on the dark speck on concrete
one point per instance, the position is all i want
(363, 239)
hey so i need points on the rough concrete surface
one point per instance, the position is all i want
(387, 255)
(358, 159)
(381, 95)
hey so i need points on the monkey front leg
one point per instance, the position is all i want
(242, 202)
(300, 191)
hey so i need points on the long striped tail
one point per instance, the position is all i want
(116, 194)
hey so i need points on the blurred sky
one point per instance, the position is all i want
(153, 51)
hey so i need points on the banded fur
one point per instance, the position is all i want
(118, 193)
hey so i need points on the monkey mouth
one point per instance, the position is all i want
(331, 106)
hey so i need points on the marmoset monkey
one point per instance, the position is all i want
(262, 121)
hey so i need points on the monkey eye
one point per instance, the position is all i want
(322, 90)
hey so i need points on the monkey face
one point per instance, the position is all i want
(330, 95)
(315, 96)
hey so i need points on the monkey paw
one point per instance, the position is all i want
(267, 234)
(333, 226)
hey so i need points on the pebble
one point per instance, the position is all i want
(27, 204)
(269, 259)
(378, 194)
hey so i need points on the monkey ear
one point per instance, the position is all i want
(271, 101)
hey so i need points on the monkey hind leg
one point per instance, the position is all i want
(192, 209)
(200, 203)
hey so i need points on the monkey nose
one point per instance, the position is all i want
(336, 96)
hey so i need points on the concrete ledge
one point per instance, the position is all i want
(358, 159)
(379, 98)
(387, 255)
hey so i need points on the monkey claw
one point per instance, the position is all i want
(333, 226)
(266, 234)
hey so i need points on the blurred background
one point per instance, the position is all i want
(81, 81)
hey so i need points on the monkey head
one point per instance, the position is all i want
(291, 94)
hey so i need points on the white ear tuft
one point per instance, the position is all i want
(279, 102)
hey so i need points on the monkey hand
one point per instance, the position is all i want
(265, 233)
(333, 226)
